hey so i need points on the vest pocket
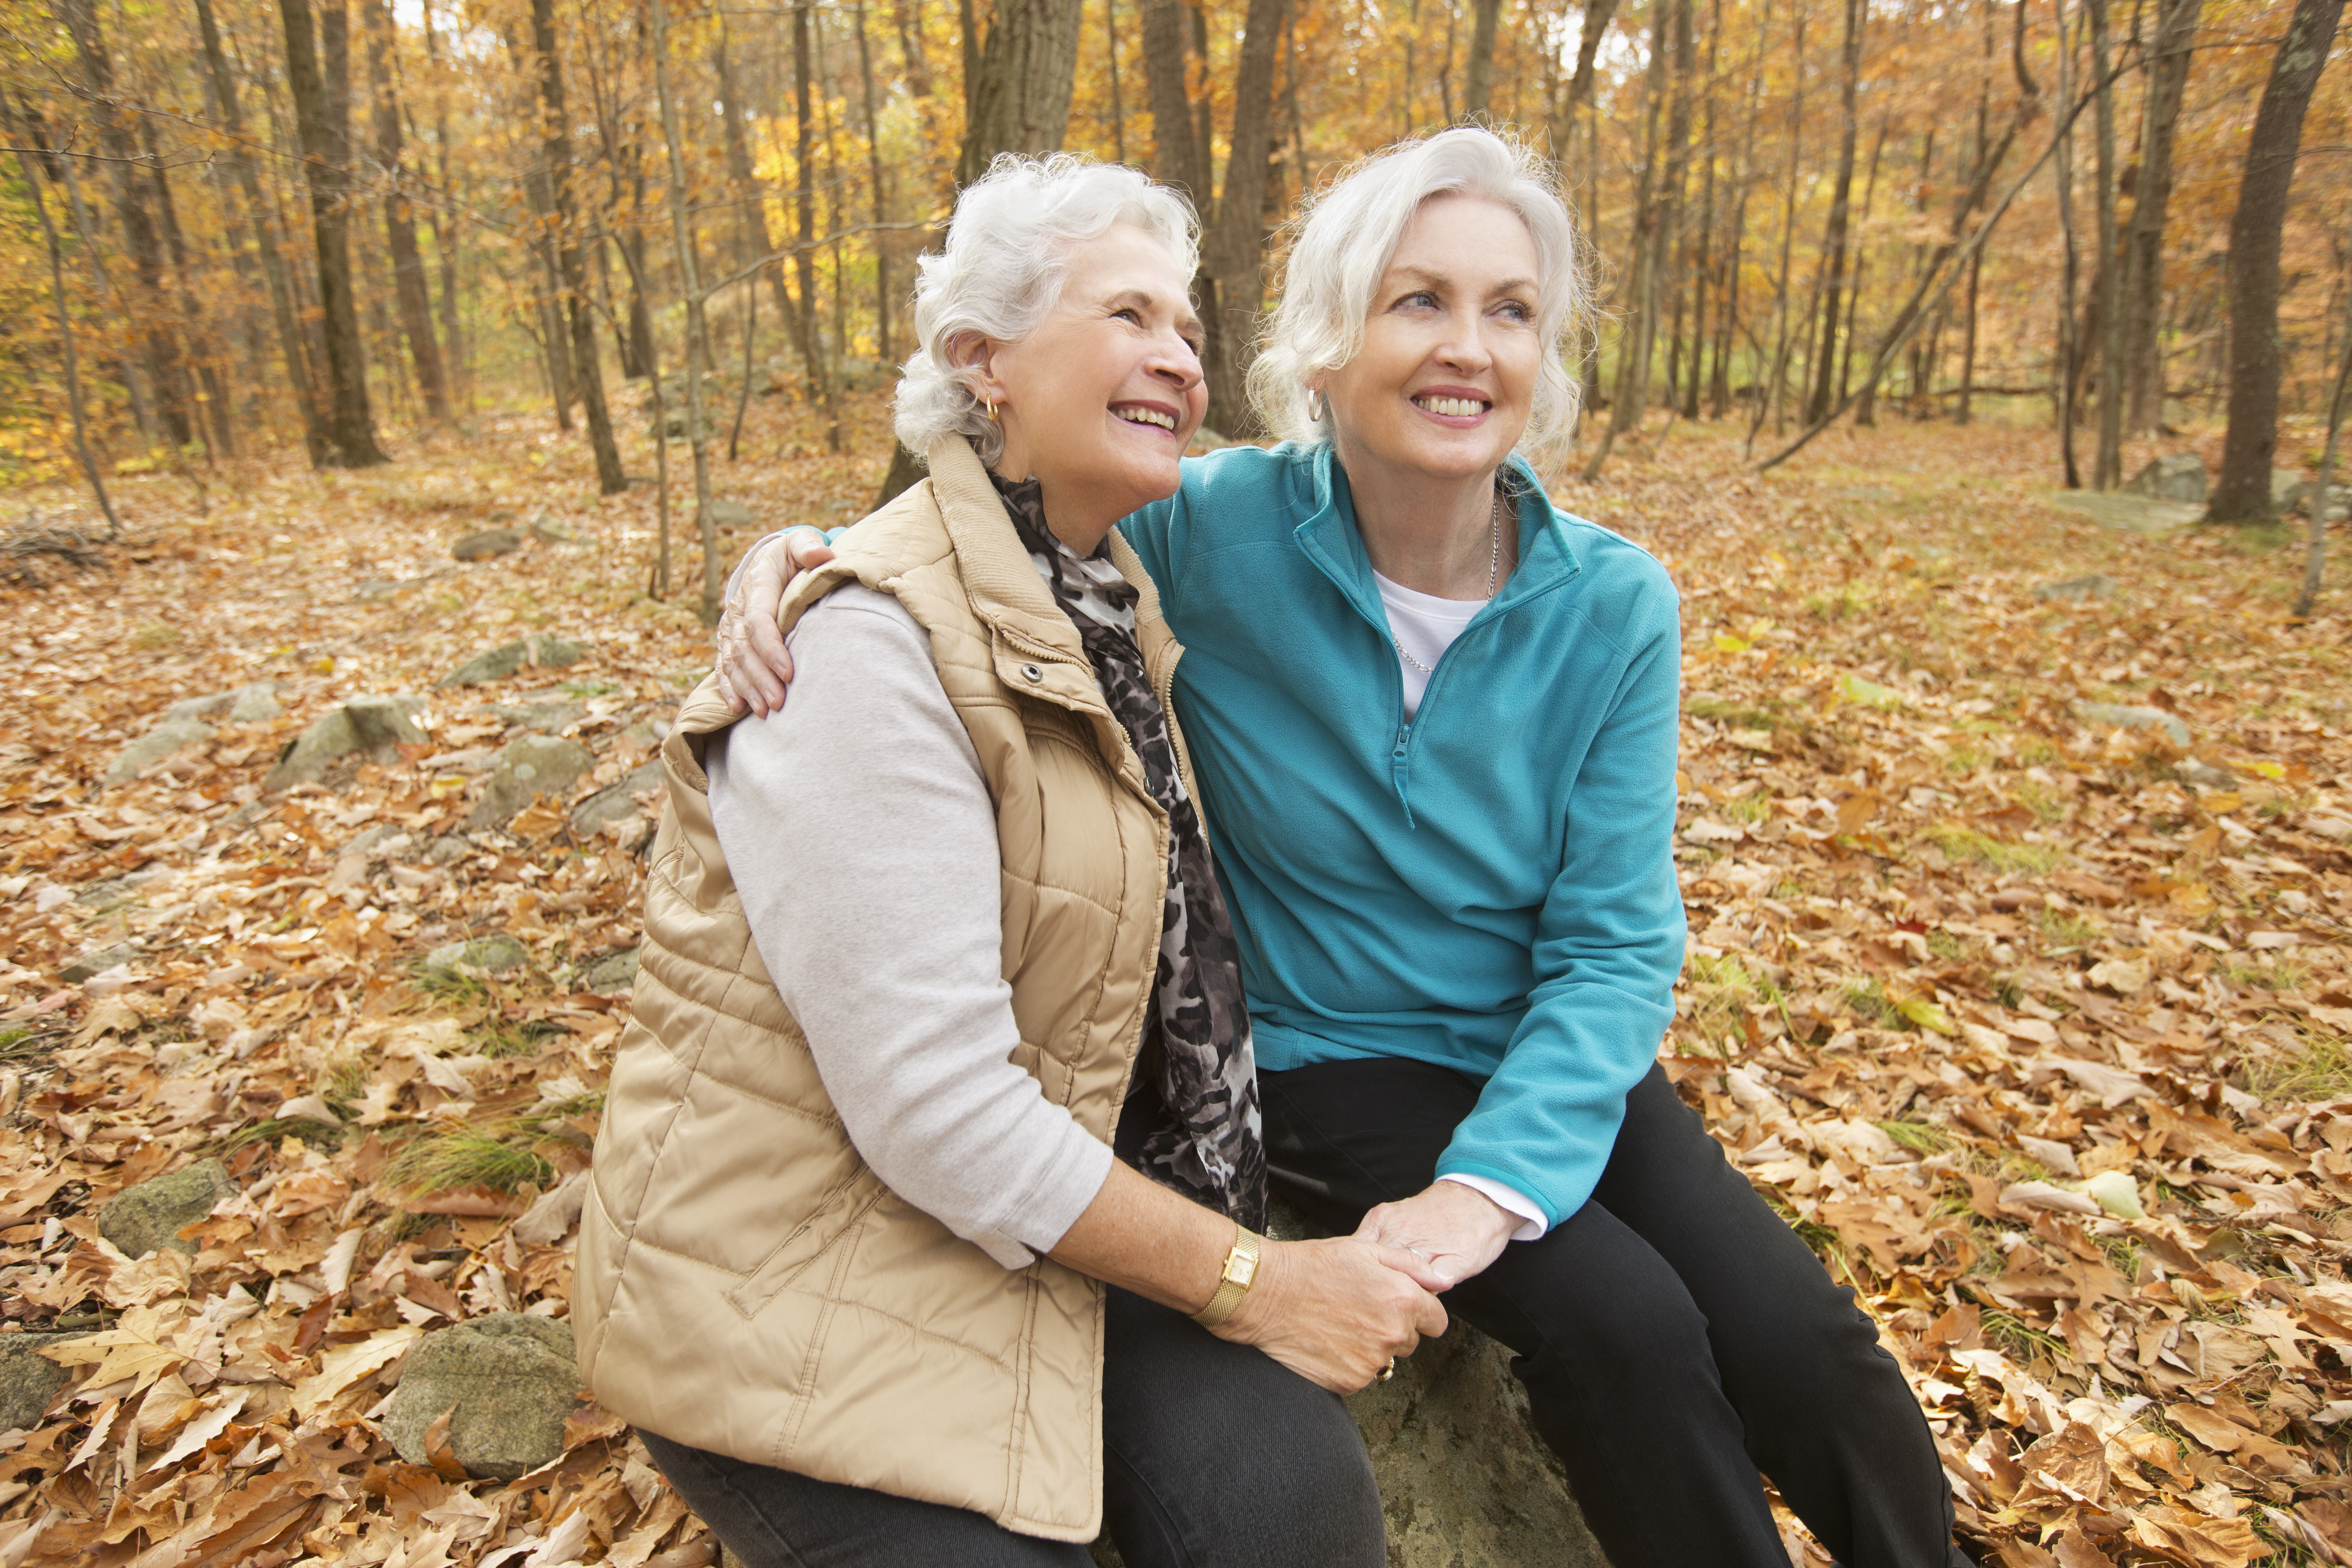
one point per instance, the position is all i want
(836, 1212)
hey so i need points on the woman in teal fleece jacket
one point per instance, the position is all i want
(1434, 723)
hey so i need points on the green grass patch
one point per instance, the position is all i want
(498, 1155)
(318, 1134)
(1966, 843)
(1749, 809)
(2065, 928)
(2044, 802)
(2281, 974)
(1737, 715)
(1842, 603)
(1920, 1137)
(2022, 1341)
(1872, 1006)
(2324, 1072)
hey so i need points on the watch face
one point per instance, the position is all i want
(1244, 1270)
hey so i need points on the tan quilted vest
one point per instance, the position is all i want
(745, 1284)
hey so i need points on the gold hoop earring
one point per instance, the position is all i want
(990, 403)
(1314, 406)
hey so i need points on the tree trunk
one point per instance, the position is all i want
(1629, 400)
(587, 368)
(1769, 395)
(2242, 492)
(1233, 252)
(1595, 23)
(2067, 368)
(804, 208)
(2107, 463)
(1833, 241)
(321, 116)
(2315, 548)
(400, 222)
(1702, 259)
(66, 345)
(752, 209)
(1478, 71)
(456, 366)
(205, 357)
(876, 192)
(159, 347)
(1028, 67)
(2168, 78)
(689, 284)
(1175, 150)
(1867, 413)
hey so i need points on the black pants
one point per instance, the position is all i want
(1213, 1456)
(1673, 1334)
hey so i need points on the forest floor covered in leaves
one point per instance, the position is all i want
(2032, 1018)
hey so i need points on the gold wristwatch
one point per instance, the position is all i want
(1241, 1271)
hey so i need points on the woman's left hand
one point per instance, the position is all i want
(1458, 1231)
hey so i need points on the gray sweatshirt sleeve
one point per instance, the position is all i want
(863, 843)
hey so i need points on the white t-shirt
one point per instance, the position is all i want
(1424, 626)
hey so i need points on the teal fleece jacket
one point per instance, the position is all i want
(1489, 887)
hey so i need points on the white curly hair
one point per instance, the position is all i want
(1003, 269)
(1340, 245)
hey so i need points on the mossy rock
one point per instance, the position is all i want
(148, 1218)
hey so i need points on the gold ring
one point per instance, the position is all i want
(1387, 1372)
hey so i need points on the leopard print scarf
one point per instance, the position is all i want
(1208, 1144)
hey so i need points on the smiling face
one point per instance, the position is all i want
(1446, 380)
(1100, 398)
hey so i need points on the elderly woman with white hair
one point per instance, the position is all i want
(1434, 720)
(936, 1120)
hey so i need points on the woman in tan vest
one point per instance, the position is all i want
(936, 1119)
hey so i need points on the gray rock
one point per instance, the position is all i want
(115, 891)
(488, 543)
(2131, 513)
(144, 1218)
(647, 732)
(2285, 483)
(550, 718)
(615, 802)
(2339, 500)
(2179, 477)
(367, 726)
(28, 1380)
(172, 736)
(241, 704)
(506, 1381)
(2205, 775)
(496, 954)
(730, 515)
(2097, 585)
(613, 972)
(498, 664)
(447, 850)
(383, 840)
(527, 767)
(1464, 1480)
(99, 960)
(2111, 715)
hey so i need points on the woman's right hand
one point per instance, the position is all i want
(1335, 1311)
(753, 666)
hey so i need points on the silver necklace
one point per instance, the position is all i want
(1494, 562)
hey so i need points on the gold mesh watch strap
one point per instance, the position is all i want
(1241, 1272)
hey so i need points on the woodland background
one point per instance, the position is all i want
(411, 372)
